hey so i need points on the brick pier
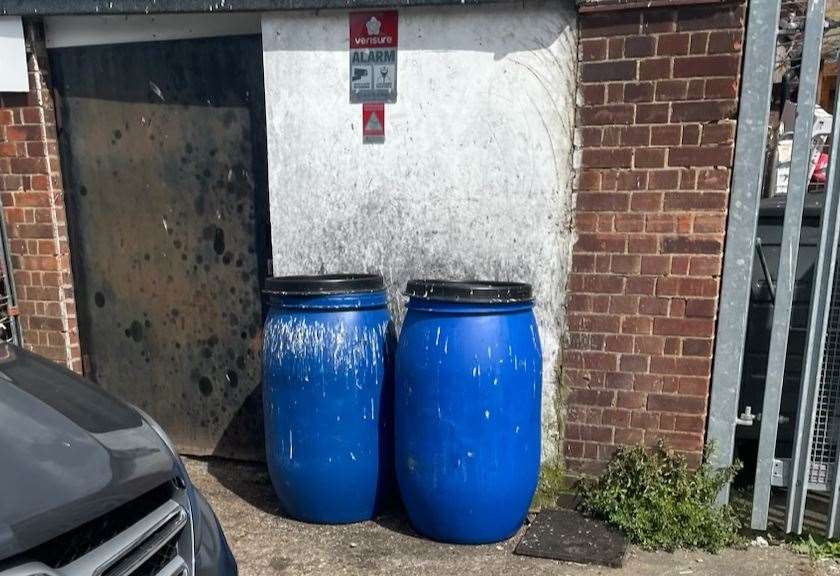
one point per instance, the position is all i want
(32, 197)
(658, 98)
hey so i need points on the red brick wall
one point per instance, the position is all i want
(656, 122)
(33, 206)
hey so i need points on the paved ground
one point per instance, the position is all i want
(267, 544)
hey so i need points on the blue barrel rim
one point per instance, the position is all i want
(470, 291)
(323, 284)
(330, 302)
(468, 308)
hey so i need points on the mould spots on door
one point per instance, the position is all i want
(205, 386)
(214, 235)
(135, 331)
(83, 190)
(99, 299)
(219, 241)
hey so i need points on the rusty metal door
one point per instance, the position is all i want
(163, 151)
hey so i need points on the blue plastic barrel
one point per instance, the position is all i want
(467, 409)
(328, 396)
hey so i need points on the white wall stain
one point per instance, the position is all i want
(474, 177)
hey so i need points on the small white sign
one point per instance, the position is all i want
(13, 74)
(361, 78)
(384, 78)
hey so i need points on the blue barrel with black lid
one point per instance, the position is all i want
(328, 396)
(467, 409)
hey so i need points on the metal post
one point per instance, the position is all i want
(750, 144)
(788, 255)
(821, 295)
(9, 282)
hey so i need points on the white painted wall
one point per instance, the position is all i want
(14, 76)
(473, 180)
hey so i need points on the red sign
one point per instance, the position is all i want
(373, 122)
(373, 29)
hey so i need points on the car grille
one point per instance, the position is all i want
(158, 560)
(149, 536)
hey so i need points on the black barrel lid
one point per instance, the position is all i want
(325, 284)
(479, 291)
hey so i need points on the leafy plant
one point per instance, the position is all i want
(661, 504)
(817, 547)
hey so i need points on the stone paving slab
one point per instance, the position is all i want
(571, 537)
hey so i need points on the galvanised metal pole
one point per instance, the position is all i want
(821, 298)
(747, 177)
(788, 256)
(9, 282)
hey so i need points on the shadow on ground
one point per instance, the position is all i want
(250, 482)
(247, 480)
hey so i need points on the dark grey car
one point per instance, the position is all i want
(91, 486)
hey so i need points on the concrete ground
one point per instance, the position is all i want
(267, 544)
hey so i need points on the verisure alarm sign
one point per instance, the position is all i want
(373, 56)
